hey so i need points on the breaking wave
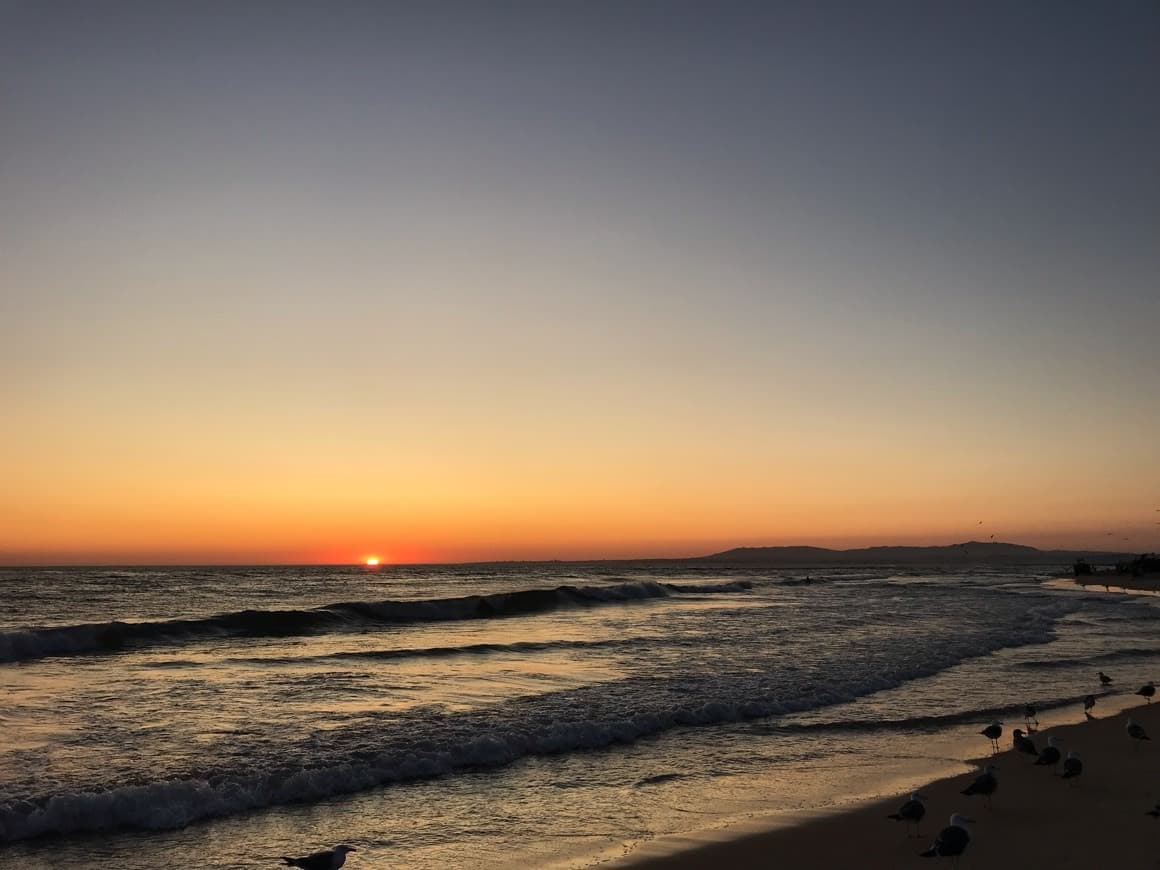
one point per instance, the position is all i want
(105, 637)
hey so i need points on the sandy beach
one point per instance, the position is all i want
(1037, 819)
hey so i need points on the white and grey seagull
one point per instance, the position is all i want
(986, 784)
(328, 859)
(1072, 767)
(911, 812)
(1050, 754)
(951, 841)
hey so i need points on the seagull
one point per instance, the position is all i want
(330, 859)
(1023, 744)
(1072, 766)
(1089, 701)
(1049, 755)
(1105, 680)
(951, 841)
(1147, 691)
(985, 784)
(1029, 717)
(993, 732)
(911, 812)
(1136, 731)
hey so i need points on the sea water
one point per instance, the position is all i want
(546, 715)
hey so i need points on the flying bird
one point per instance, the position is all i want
(993, 732)
(911, 812)
(1049, 755)
(985, 784)
(1105, 680)
(1072, 766)
(1147, 691)
(952, 840)
(1023, 744)
(1136, 731)
(329, 859)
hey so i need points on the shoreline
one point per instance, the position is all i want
(1118, 582)
(1037, 819)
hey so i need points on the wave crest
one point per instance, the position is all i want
(106, 637)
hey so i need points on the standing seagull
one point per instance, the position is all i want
(1105, 680)
(951, 841)
(1147, 691)
(985, 784)
(1049, 755)
(1089, 701)
(993, 732)
(1137, 732)
(330, 859)
(1029, 718)
(911, 812)
(1023, 744)
(1072, 766)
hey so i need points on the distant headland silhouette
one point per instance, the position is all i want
(968, 552)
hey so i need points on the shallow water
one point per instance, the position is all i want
(457, 716)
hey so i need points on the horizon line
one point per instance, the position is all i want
(389, 564)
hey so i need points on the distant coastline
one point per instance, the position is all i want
(968, 552)
(957, 555)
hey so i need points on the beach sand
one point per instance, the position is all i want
(1037, 819)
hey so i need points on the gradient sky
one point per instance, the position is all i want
(452, 281)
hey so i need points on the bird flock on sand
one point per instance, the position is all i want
(952, 841)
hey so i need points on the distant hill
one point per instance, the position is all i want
(969, 552)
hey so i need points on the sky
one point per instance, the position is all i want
(306, 282)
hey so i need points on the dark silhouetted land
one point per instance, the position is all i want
(969, 552)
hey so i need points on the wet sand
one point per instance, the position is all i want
(1036, 820)
(1121, 582)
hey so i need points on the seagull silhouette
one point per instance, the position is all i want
(911, 812)
(1137, 732)
(951, 841)
(1072, 767)
(993, 732)
(329, 859)
(1049, 755)
(985, 784)
(1023, 744)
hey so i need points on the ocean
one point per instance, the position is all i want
(544, 715)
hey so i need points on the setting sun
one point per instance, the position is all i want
(372, 561)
